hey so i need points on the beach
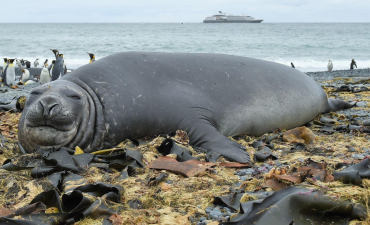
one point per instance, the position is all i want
(166, 196)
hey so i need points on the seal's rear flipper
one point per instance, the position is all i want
(205, 136)
(338, 104)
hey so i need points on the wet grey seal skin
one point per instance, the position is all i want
(136, 94)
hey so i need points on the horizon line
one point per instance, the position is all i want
(154, 22)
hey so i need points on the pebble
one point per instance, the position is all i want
(215, 213)
(241, 172)
(361, 104)
(263, 169)
(249, 171)
(278, 163)
(209, 209)
(351, 149)
(237, 184)
(169, 181)
(366, 123)
(358, 156)
(192, 219)
(244, 178)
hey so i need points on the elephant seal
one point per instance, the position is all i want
(137, 94)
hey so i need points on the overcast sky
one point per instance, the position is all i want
(122, 11)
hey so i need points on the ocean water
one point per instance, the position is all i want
(308, 45)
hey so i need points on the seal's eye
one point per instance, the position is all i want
(35, 93)
(75, 97)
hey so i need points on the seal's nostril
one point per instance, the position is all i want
(40, 108)
(53, 110)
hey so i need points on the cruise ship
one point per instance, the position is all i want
(224, 18)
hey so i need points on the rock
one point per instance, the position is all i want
(209, 209)
(244, 178)
(241, 172)
(351, 149)
(277, 163)
(263, 169)
(327, 120)
(264, 154)
(366, 123)
(361, 104)
(358, 156)
(257, 144)
(215, 213)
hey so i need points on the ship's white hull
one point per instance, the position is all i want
(232, 21)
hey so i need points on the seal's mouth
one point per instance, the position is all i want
(50, 135)
(47, 124)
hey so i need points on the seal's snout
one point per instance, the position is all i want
(48, 107)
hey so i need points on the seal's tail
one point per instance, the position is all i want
(338, 104)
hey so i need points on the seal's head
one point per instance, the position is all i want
(53, 115)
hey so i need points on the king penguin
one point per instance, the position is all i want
(56, 52)
(64, 65)
(330, 66)
(58, 70)
(46, 63)
(10, 73)
(92, 57)
(30, 80)
(51, 68)
(44, 75)
(25, 75)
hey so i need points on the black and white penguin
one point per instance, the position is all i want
(28, 64)
(19, 64)
(92, 57)
(10, 73)
(353, 63)
(3, 71)
(292, 64)
(44, 75)
(330, 65)
(46, 63)
(36, 63)
(58, 68)
(25, 75)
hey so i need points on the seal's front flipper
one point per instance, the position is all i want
(204, 135)
(338, 104)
